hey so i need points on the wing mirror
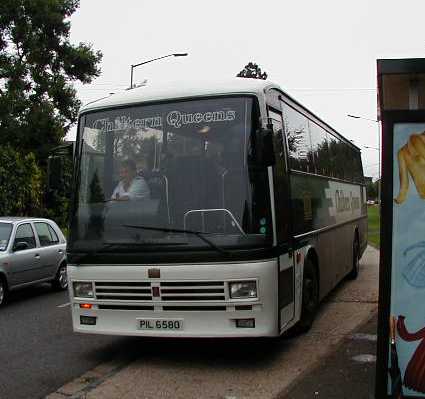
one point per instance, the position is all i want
(265, 150)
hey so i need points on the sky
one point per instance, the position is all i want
(321, 53)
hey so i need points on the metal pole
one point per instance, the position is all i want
(155, 59)
(379, 164)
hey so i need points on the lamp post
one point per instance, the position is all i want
(374, 148)
(154, 59)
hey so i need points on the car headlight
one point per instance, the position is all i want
(243, 289)
(83, 289)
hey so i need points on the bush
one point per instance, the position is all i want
(21, 182)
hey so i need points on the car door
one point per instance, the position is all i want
(24, 262)
(50, 249)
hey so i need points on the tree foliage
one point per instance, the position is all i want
(38, 66)
(20, 183)
(372, 190)
(38, 103)
(252, 71)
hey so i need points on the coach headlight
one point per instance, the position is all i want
(243, 289)
(83, 289)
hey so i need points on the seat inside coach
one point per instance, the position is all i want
(199, 189)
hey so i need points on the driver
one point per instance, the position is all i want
(131, 186)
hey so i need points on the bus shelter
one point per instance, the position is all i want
(401, 328)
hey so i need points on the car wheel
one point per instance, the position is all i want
(61, 280)
(356, 260)
(310, 297)
(3, 291)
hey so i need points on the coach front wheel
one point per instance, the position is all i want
(310, 297)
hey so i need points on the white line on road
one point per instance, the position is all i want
(365, 358)
(64, 305)
(365, 337)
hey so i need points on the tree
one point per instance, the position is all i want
(38, 66)
(253, 71)
(372, 190)
(20, 195)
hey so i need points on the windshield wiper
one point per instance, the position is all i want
(93, 252)
(123, 245)
(199, 234)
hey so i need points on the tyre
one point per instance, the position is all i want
(356, 260)
(310, 297)
(3, 291)
(61, 280)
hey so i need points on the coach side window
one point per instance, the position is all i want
(350, 163)
(336, 155)
(298, 138)
(358, 171)
(320, 149)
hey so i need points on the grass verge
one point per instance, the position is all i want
(374, 220)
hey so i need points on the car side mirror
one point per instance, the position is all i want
(20, 246)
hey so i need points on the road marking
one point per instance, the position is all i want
(64, 305)
(365, 358)
(364, 337)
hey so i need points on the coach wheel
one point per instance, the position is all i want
(356, 261)
(310, 297)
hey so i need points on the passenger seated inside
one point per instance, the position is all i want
(130, 186)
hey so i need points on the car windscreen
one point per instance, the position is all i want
(5, 230)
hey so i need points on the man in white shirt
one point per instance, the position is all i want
(130, 187)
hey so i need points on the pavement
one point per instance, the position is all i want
(335, 359)
(346, 373)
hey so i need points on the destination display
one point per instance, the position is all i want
(175, 119)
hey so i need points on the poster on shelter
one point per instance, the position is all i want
(407, 343)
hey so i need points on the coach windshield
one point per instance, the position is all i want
(150, 174)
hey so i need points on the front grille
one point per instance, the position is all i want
(170, 291)
(123, 291)
(192, 291)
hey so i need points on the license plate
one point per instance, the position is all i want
(160, 324)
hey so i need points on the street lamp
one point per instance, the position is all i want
(154, 59)
(371, 148)
(374, 148)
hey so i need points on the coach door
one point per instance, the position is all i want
(282, 211)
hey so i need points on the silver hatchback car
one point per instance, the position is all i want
(31, 251)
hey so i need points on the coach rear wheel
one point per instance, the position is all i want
(356, 260)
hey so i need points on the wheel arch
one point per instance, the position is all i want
(4, 278)
(61, 263)
(311, 254)
(356, 233)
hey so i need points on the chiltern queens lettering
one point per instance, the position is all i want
(174, 118)
(125, 123)
(177, 119)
